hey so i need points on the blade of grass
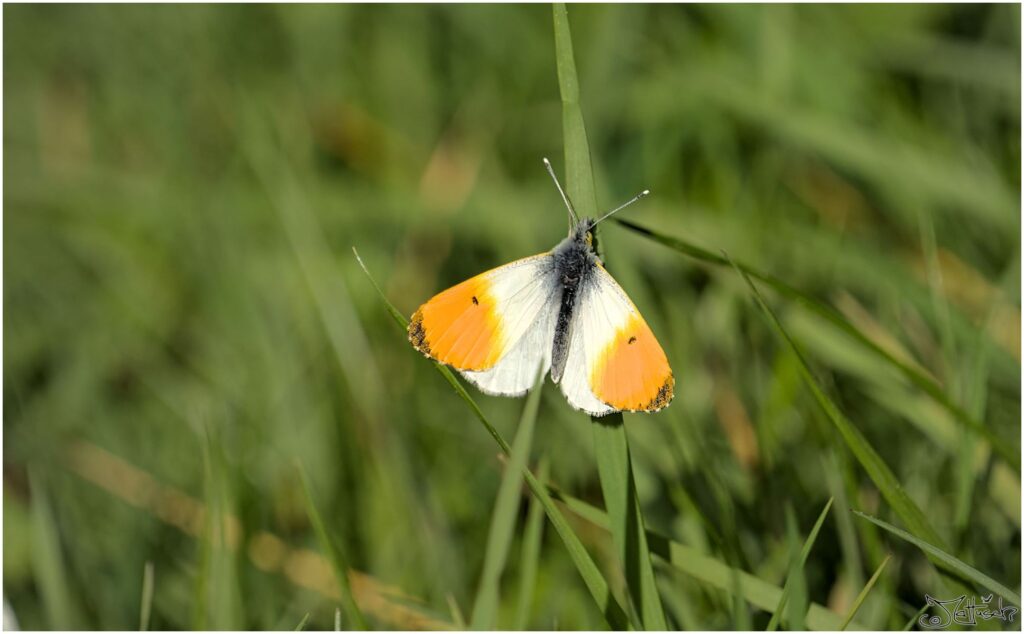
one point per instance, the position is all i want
(844, 521)
(453, 608)
(866, 455)
(48, 564)
(754, 590)
(947, 561)
(864, 593)
(595, 582)
(913, 619)
(682, 611)
(146, 607)
(618, 487)
(224, 599)
(503, 521)
(610, 441)
(579, 174)
(916, 376)
(202, 585)
(445, 372)
(976, 402)
(796, 569)
(795, 605)
(532, 536)
(333, 555)
(869, 459)
(302, 624)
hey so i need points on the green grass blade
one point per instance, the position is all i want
(864, 593)
(845, 528)
(628, 531)
(403, 323)
(595, 582)
(1007, 451)
(302, 624)
(913, 619)
(795, 605)
(397, 316)
(532, 536)
(503, 521)
(796, 570)
(146, 607)
(333, 555)
(218, 598)
(202, 582)
(453, 608)
(579, 174)
(756, 591)
(947, 561)
(48, 562)
(610, 441)
(866, 455)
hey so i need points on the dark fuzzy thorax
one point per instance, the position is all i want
(575, 258)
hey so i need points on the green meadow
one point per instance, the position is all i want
(217, 220)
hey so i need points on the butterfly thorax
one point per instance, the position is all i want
(574, 260)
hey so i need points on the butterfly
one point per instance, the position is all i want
(559, 311)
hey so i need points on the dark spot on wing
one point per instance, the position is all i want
(632, 340)
(476, 302)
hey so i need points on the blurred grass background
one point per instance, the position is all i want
(184, 320)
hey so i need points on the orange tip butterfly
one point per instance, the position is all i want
(559, 311)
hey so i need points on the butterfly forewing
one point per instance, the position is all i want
(495, 328)
(614, 361)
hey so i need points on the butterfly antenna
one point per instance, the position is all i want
(573, 218)
(624, 205)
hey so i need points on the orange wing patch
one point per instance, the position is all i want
(460, 326)
(632, 373)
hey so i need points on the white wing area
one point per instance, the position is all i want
(601, 310)
(527, 299)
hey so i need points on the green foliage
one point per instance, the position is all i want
(795, 578)
(503, 520)
(714, 573)
(948, 561)
(184, 321)
(859, 601)
(533, 533)
(146, 602)
(335, 557)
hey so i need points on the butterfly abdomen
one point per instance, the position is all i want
(573, 259)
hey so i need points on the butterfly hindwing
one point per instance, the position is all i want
(495, 328)
(614, 361)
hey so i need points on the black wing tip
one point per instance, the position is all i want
(664, 397)
(417, 335)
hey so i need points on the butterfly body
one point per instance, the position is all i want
(559, 311)
(574, 259)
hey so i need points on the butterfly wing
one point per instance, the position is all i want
(495, 328)
(614, 361)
